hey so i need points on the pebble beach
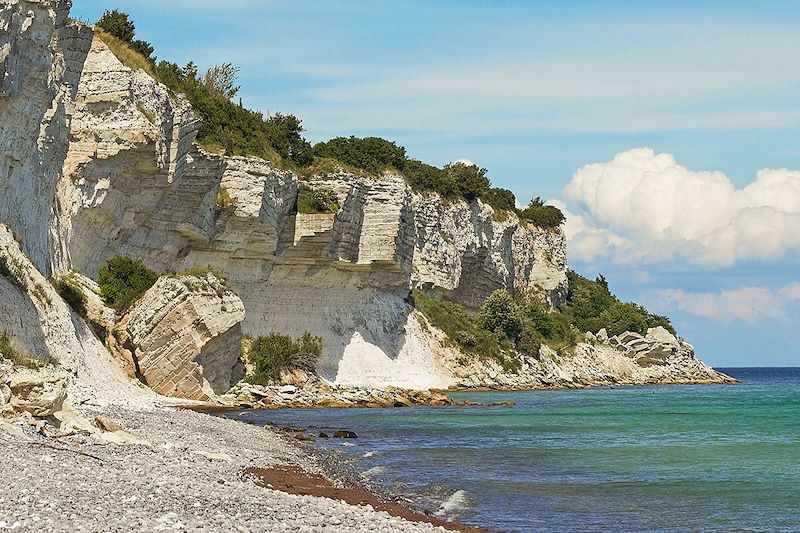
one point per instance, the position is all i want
(173, 470)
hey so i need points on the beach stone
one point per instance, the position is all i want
(71, 420)
(107, 424)
(213, 456)
(5, 387)
(345, 434)
(39, 393)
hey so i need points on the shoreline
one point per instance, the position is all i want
(167, 469)
(392, 397)
(294, 480)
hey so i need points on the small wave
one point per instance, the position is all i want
(370, 454)
(375, 471)
(346, 444)
(457, 503)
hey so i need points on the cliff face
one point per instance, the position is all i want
(133, 184)
(41, 325)
(97, 159)
(41, 59)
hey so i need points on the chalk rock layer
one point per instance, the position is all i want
(41, 59)
(185, 335)
(41, 326)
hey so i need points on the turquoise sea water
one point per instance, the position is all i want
(677, 458)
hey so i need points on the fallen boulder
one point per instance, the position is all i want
(39, 393)
(185, 337)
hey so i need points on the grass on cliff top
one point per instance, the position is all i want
(127, 55)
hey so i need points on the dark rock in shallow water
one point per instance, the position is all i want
(324, 435)
(344, 434)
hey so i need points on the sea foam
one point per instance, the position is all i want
(457, 503)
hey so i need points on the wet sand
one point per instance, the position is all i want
(293, 480)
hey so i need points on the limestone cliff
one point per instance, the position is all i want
(97, 159)
(133, 181)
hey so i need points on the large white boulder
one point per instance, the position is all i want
(185, 337)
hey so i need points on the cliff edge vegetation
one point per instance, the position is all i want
(230, 128)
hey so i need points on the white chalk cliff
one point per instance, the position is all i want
(97, 159)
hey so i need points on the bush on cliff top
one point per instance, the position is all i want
(544, 216)
(591, 306)
(123, 281)
(240, 131)
(275, 353)
(372, 154)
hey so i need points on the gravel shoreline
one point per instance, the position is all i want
(187, 473)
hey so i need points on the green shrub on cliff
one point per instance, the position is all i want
(501, 199)
(459, 325)
(591, 306)
(501, 315)
(316, 201)
(123, 281)
(544, 216)
(274, 353)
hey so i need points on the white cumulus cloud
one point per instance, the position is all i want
(791, 292)
(749, 304)
(643, 207)
(746, 303)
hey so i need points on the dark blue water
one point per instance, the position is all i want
(678, 458)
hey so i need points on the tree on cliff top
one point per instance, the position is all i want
(118, 24)
(222, 78)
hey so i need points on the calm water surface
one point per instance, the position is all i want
(679, 458)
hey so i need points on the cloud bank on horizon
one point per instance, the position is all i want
(643, 208)
(748, 304)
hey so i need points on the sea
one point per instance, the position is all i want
(662, 458)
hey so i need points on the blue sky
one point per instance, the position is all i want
(535, 92)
